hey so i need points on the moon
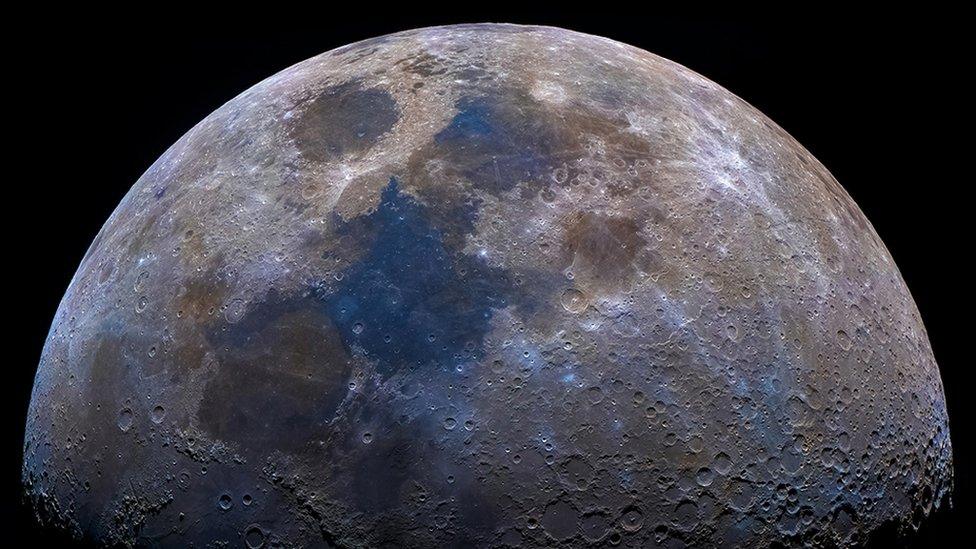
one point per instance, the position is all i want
(486, 285)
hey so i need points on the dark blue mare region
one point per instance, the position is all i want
(502, 140)
(410, 300)
(474, 120)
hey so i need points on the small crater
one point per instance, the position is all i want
(595, 526)
(157, 415)
(705, 477)
(574, 301)
(225, 502)
(844, 340)
(560, 519)
(632, 520)
(254, 537)
(722, 463)
(125, 419)
(685, 516)
(235, 311)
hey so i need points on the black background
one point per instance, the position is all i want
(876, 99)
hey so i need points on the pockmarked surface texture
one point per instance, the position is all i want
(487, 285)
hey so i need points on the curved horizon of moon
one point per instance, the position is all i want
(487, 285)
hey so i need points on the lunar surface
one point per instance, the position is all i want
(487, 286)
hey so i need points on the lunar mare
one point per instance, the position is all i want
(487, 285)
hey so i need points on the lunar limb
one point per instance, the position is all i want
(487, 285)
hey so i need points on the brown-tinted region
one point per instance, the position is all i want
(280, 375)
(345, 119)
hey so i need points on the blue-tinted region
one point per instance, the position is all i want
(410, 301)
(473, 120)
(499, 142)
